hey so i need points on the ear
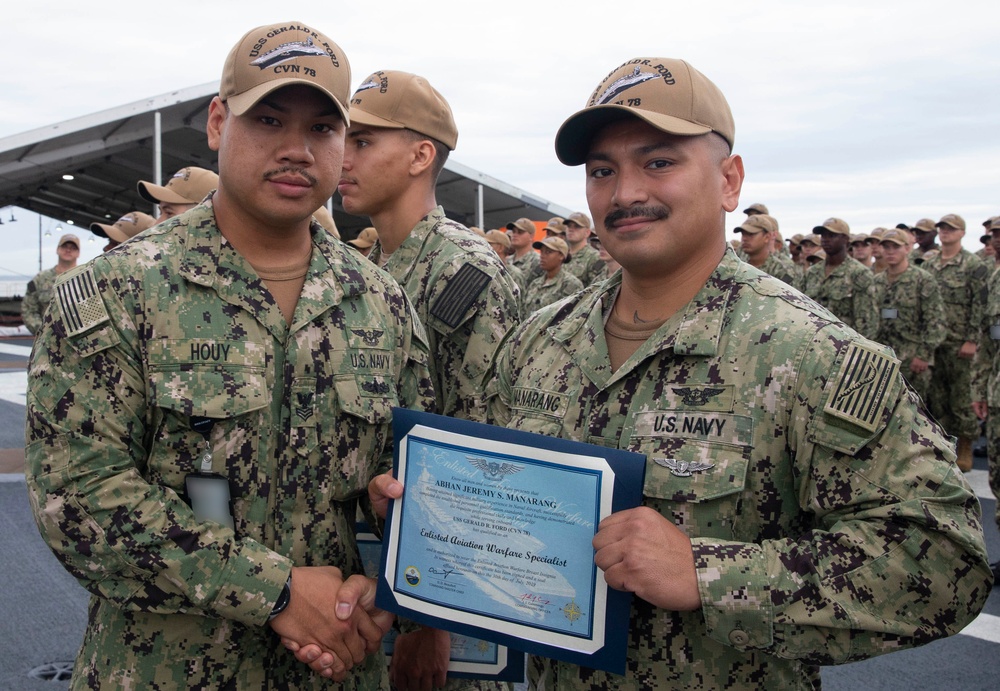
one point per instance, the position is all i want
(423, 153)
(217, 114)
(732, 174)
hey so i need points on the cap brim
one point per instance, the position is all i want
(360, 117)
(157, 194)
(573, 138)
(99, 229)
(241, 103)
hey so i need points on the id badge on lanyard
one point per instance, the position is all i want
(208, 492)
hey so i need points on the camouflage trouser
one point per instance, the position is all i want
(949, 397)
(993, 451)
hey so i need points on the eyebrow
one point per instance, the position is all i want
(358, 133)
(641, 151)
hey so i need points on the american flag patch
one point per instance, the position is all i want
(859, 390)
(463, 290)
(81, 305)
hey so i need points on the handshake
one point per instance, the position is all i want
(332, 645)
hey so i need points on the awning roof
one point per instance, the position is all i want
(109, 151)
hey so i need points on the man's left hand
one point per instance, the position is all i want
(642, 552)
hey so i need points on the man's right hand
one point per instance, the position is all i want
(331, 624)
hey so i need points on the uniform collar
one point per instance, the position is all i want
(403, 261)
(696, 334)
(210, 262)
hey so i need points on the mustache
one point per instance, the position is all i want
(655, 212)
(290, 169)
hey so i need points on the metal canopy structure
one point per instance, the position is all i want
(108, 152)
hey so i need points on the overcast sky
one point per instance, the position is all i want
(875, 112)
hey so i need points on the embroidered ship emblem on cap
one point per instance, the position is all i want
(624, 84)
(859, 389)
(80, 303)
(370, 84)
(288, 51)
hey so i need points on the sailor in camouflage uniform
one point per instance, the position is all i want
(173, 367)
(824, 521)
(840, 283)
(556, 283)
(401, 133)
(585, 262)
(522, 236)
(986, 379)
(465, 297)
(912, 314)
(961, 276)
(40, 292)
(758, 232)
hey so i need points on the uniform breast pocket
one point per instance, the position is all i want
(231, 397)
(353, 441)
(698, 484)
(953, 293)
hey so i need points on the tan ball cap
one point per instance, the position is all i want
(952, 221)
(553, 243)
(366, 238)
(128, 226)
(498, 237)
(270, 57)
(755, 224)
(924, 224)
(523, 224)
(69, 237)
(400, 100)
(580, 219)
(897, 236)
(667, 93)
(757, 208)
(187, 186)
(810, 239)
(834, 225)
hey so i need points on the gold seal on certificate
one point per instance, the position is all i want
(492, 537)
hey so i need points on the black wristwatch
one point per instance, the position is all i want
(283, 599)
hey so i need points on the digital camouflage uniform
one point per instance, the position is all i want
(962, 281)
(586, 265)
(912, 321)
(176, 325)
(781, 269)
(986, 381)
(833, 524)
(529, 266)
(848, 292)
(37, 298)
(544, 291)
(466, 301)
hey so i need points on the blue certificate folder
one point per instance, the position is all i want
(492, 538)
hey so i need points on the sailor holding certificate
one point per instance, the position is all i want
(795, 492)
(799, 506)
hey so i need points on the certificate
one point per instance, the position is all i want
(493, 537)
(471, 658)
